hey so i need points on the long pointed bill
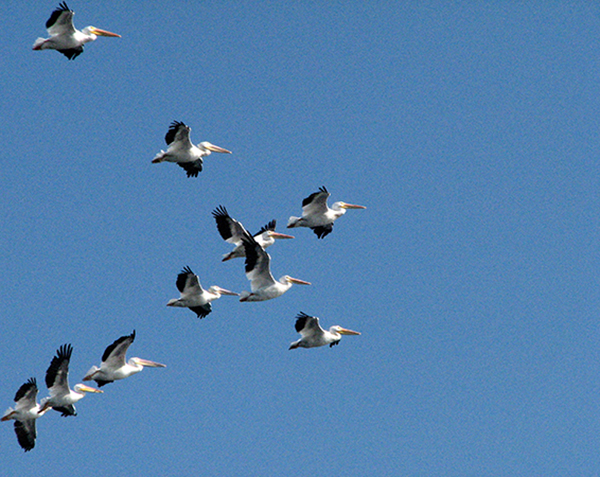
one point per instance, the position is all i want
(223, 291)
(298, 281)
(344, 331)
(352, 206)
(149, 364)
(99, 32)
(89, 389)
(277, 235)
(214, 148)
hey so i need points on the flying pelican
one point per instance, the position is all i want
(232, 232)
(62, 399)
(193, 296)
(183, 152)
(113, 365)
(263, 285)
(26, 411)
(313, 335)
(317, 215)
(64, 37)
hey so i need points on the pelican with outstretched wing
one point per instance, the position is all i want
(193, 296)
(263, 285)
(64, 37)
(318, 216)
(62, 398)
(182, 152)
(114, 367)
(313, 335)
(25, 412)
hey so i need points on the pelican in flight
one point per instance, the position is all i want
(62, 399)
(232, 232)
(313, 335)
(26, 411)
(263, 285)
(317, 215)
(64, 37)
(113, 365)
(193, 296)
(183, 152)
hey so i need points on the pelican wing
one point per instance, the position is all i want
(68, 410)
(61, 21)
(230, 229)
(308, 325)
(178, 132)
(201, 310)
(315, 203)
(114, 355)
(57, 375)
(26, 433)
(188, 283)
(27, 394)
(192, 168)
(269, 227)
(257, 264)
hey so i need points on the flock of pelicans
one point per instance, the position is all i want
(316, 215)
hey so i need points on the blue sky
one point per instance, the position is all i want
(469, 130)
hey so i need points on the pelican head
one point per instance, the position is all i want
(98, 32)
(211, 147)
(216, 290)
(147, 363)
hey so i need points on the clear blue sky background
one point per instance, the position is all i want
(470, 132)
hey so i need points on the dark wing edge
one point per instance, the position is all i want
(117, 342)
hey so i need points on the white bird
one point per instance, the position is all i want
(193, 296)
(313, 335)
(64, 37)
(183, 152)
(232, 232)
(26, 411)
(113, 365)
(62, 399)
(317, 215)
(263, 285)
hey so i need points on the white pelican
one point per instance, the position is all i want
(62, 399)
(232, 232)
(183, 152)
(64, 37)
(313, 335)
(113, 365)
(263, 285)
(26, 411)
(193, 296)
(317, 215)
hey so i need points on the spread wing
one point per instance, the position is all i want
(316, 203)
(114, 355)
(230, 229)
(57, 375)
(188, 283)
(61, 21)
(257, 264)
